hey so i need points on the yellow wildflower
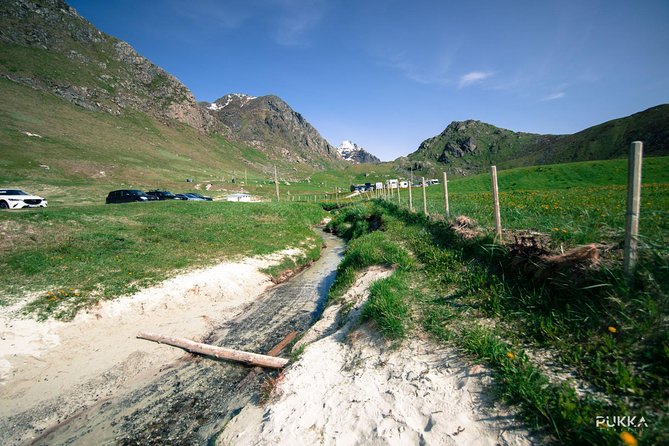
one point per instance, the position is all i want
(510, 355)
(628, 439)
(613, 329)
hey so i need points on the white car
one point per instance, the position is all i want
(18, 199)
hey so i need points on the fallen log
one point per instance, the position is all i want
(217, 352)
(281, 345)
(275, 351)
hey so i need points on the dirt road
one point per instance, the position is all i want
(187, 400)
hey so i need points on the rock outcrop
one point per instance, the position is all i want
(270, 124)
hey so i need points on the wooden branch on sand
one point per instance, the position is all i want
(217, 352)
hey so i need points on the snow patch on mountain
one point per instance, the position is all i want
(226, 100)
(353, 153)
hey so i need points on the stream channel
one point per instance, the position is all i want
(192, 400)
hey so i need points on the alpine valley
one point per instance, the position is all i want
(82, 108)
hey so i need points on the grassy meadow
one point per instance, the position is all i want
(70, 257)
(574, 203)
(567, 345)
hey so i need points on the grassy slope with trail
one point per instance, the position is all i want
(607, 335)
(71, 257)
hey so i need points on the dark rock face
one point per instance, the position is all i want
(51, 47)
(268, 123)
(362, 156)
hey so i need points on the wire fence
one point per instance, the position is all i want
(573, 215)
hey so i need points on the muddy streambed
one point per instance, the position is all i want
(188, 399)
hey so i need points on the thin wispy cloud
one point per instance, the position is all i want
(287, 22)
(431, 69)
(213, 14)
(554, 96)
(412, 72)
(473, 77)
(296, 18)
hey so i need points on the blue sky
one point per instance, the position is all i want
(388, 74)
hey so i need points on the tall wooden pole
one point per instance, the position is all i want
(399, 198)
(424, 196)
(630, 255)
(448, 211)
(276, 183)
(410, 198)
(495, 199)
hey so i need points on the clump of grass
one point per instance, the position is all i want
(519, 381)
(60, 303)
(268, 388)
(292, 265)
(387, 306)
(374, 248)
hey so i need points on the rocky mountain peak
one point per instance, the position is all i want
(270, 124)
(353, 153)
(233, 99)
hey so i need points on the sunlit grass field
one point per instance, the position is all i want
(71, 257)
(574, 203)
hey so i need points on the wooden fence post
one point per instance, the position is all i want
(399, 199)
(448, 212)
(276, 184)
(495, 199)
(410, 199)
(633, 206)
(424, 197)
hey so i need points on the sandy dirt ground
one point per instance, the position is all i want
(351, 388)
(72, 383)
(96, 356)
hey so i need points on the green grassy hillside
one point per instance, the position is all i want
(81, 154)
(470, 147)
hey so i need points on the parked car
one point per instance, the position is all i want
(19, 199)
(128, 196)
(191, 197)
(162, 194)
(201, 196)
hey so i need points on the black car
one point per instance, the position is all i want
(201, 196)
(162, 195)
(188, 197)
(127, 196)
